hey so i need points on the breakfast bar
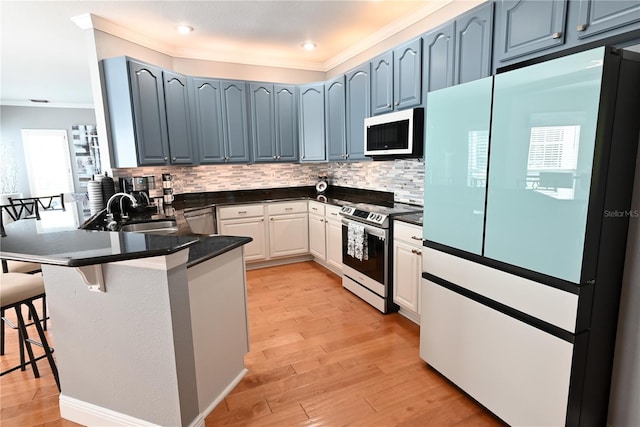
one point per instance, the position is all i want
(147, 329)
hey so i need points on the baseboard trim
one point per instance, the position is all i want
(253, 265)
(415, 318)
(222, 395)
(89, 414)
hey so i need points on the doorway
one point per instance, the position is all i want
(48, 162)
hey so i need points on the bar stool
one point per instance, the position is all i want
(21, 267)
(16, 290)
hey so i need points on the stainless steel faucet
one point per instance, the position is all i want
(134, 203)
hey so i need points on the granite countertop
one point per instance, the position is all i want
(412, 218)
(52, 240)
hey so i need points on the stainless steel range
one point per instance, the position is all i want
(367, 234)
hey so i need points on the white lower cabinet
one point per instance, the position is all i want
(519, 372)
(288, 235)
(253, 227)
(325, 235)
(334, 241)
(407, 268)
(317, 236)
(278, 229)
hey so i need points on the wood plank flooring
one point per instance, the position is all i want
(319, 356)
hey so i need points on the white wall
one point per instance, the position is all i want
(14, 119)
(624, 410)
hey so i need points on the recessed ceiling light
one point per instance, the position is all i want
(184, 29)
(309, 45)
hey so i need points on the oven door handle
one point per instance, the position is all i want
(374, 231)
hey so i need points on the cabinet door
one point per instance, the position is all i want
(407, 68)
(249, 227)
(382, 83)
(178, 118)
(335, 119)
(289, 234)
(234, 121)
(474, 40)
(150, 120)
(208, 110)
(457, 146)
(286, 123)
(334, 244)
(261, 100)
(528, 26)
(317, 239)
(438, 58)
(543, 135)
(599, 16)
(357, 110)
(407, 275)
(312, 138)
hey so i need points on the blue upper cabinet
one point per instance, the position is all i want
(235, 128)
(473, 44)
(176, 97)
(382, 83)
(150, 121)
(262, 122)
(396, 78)
(407, 67)
(528, 26)
(335, 115)
(438, 46)
(596, 17)
(311, 126)
(137, 115)
(456, 156)
(274, 130)
(286, 123)
(207, 108)
(357, 109)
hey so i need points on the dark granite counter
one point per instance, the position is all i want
(413, 218)
(48, 241)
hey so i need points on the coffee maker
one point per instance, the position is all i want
(138, 187)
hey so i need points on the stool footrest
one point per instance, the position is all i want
(22, 365)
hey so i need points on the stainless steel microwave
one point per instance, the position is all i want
(393, 135)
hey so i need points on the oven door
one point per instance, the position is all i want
(374, 264)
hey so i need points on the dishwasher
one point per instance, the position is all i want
(202, 220)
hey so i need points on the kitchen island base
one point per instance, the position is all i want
(155, 347)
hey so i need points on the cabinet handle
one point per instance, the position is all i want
(556, 35)
(388, 105)
(314, 209)
(174, 159)
(271, 219)
(242, 212)
(274, 157)
(288, 209)
(582, 27)
(278, 157)
(303, 156)
(166, 159)
(346, 156)
(397, 103)
(333, 213)
(416, 251)
(416, 238)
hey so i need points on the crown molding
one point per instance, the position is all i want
(22, 103)
(384, 33)
(91, 21)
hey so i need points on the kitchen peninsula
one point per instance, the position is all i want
(148, 329)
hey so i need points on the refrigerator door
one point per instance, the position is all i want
(543, 136)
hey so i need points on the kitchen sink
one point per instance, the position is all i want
(165, 226)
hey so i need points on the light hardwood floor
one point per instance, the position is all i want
(319, 357)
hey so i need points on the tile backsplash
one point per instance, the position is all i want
(405, 178)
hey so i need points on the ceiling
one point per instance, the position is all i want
(44, 54)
